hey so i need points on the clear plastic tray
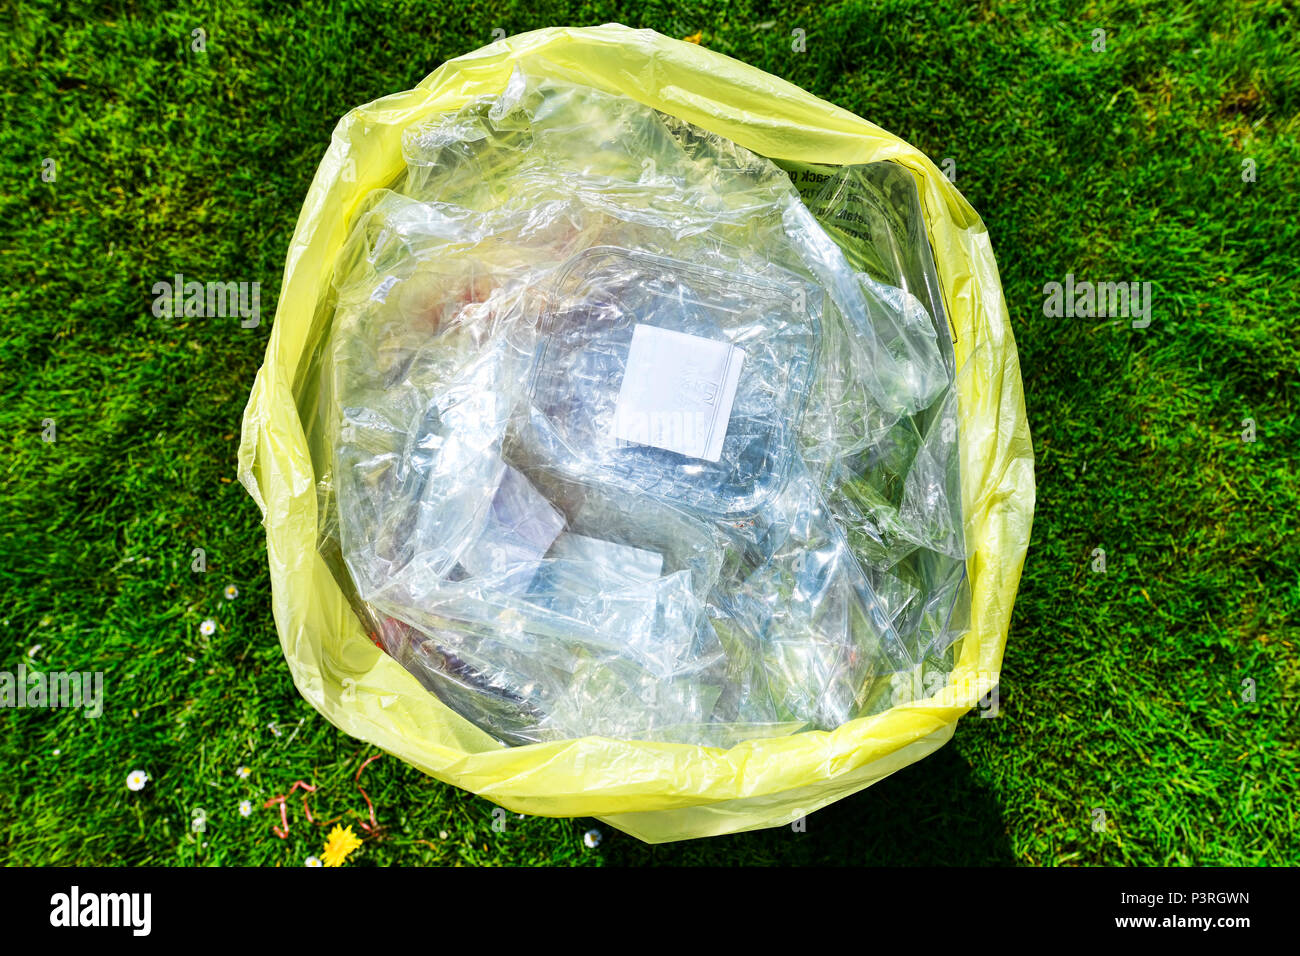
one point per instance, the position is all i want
(671, 379)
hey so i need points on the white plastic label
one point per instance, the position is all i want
(677, 392)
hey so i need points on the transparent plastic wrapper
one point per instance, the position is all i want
(634, 448)
(671, 380)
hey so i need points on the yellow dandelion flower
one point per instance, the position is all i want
(341, 842)
(694, 37)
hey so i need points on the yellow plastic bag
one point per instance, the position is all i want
(657, 792)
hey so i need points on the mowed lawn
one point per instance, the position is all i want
(1160, 692)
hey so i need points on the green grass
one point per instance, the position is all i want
(1120, 691)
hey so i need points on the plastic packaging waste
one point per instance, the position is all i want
(431, 230)
(610, 412)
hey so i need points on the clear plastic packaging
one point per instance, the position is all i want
(620, 441)
(673, 380)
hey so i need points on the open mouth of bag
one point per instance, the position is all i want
(629, 436)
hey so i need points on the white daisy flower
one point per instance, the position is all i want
(242, 772)
(231, 592)
(442, 834)
(245, 808)
(208, 628)
(592, 839)
(311, 861)
(136, 779)
(57, 752)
